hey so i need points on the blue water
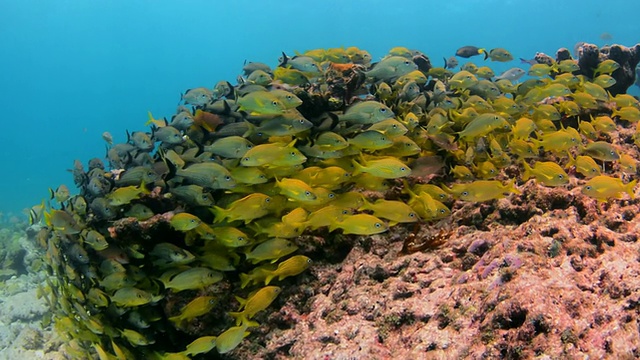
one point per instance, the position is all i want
(70, 70)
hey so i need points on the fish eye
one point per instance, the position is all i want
(403, 168)
(240, 238)
(289, 97)
(406, 62)
(560, 176)
(293, 153)
(267, 200)
(301, 121)
(442, 211)
(245, 159)
(308, 193)
(193, 221)
(331, 195)
(465, 193)
(378, 225)
(275, 103)
(412, 215)
(588, 187)
(383, 110)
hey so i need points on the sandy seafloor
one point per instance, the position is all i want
(21, 333)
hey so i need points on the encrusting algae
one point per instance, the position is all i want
(155, 257)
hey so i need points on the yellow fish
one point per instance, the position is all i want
(131, 296)
(482, 190)
(359, 224)
(394, 211)
(191, 279)
(272, 250)
(250, 207)
(257, 302)
(387, 168)
(290, 267)
(184, 222)
(547, 173)
(196, 307)
(201, 345)
(231, 338)
(296, 190)
(603, 187)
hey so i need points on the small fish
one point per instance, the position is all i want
(62, 221)
(606, 67)
(512, 74)
(469, 51)
(367, 112)
(95, 240)
(394, 211)
(140, 212)
(601, 150)
(106, 136)
(198, 96)
(141, 140)
(192, 194)
(135, 338)
(604, 80)
(131, 297)
(231, 338)
(191, 279)
(201, 345)
(61, 194)
(232, 147)
(290, 76)
(359, 224)
(271, 250)
(450, 63)
(483, 125)
(249, 175)
(296, 190)
(259, 77)
(628, 113)
(257, 302)
(196, 307)
(482, 190)
(184, 222)
(387, 168)
(248, 208)
(604, 187)
(391, 68)
(370, 140)
(124, 195)
(462, 80)
(547, 173)
(261, 103)
(628, 164)
(167, 135)
(499, 54)
(166, 254)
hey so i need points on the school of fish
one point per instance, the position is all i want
(212, 201)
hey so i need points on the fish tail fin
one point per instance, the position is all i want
(484, 51)
(150, 121)
(251, 129)
(239, 316)
(245, 279)
(47, 219)
(406, 189)
(218, 213)
(268, 278)
(358, 168)
(511, 187)
(629, 188)
(52, 194)
(527, 171)
(572, 160)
